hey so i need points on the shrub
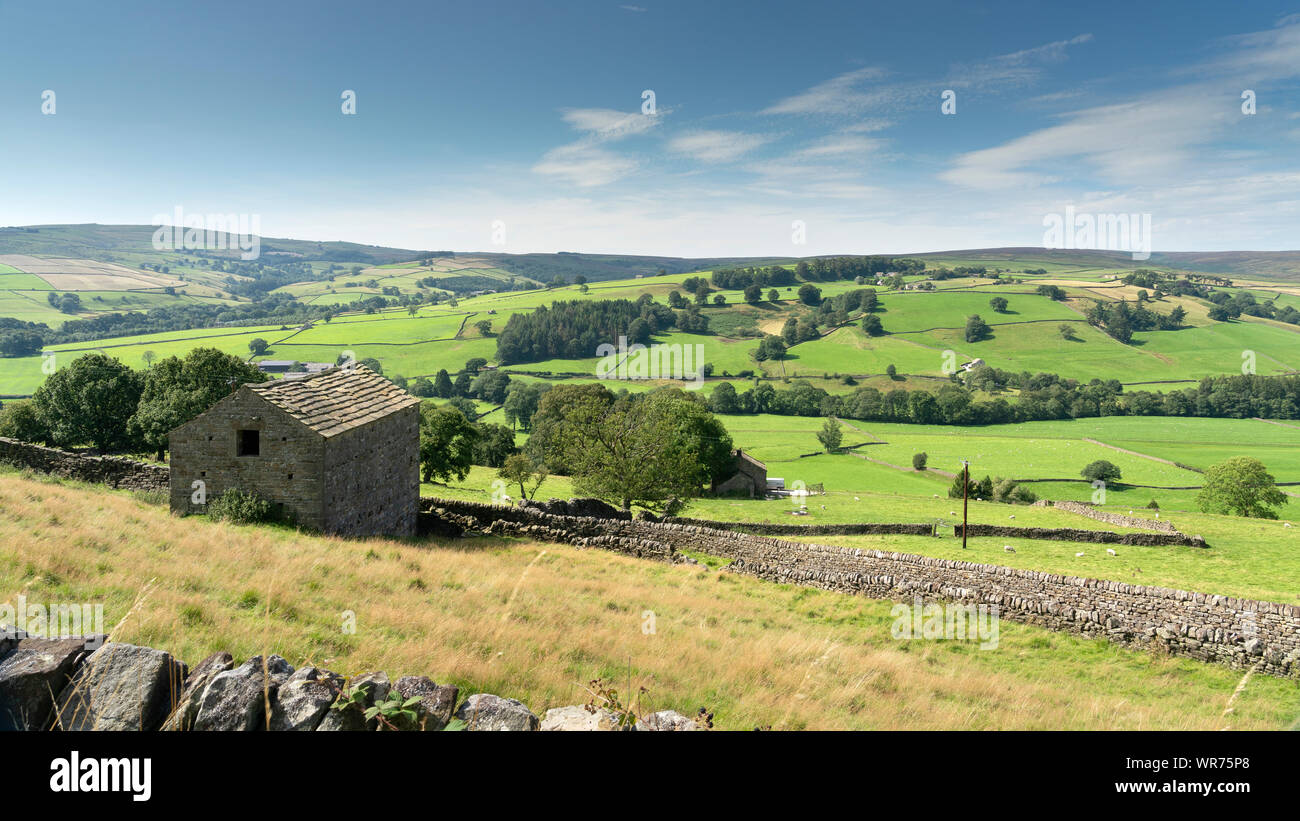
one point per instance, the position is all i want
(240, 508)
(919, 460)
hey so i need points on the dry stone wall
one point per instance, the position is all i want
(64, 684)
(1116, 519)
(1242, 633)
(1070, 534)
(114, 471)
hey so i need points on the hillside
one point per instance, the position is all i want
(540, 621)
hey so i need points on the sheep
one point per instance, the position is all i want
(1012, 516)
(1079, 555)
(1286, 524)
(1111, 551)
(952, 513)
(1008, 548)
(856, 499)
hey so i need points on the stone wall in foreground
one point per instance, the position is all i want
(1242, 633)
(114, 471)
(76, 684)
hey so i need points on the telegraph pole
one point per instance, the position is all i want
(965, 488)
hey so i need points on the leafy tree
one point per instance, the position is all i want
(977, 329)
(177, 390)
(495, 444)
(461, 387)
(20, 343)
(484, 327)
(422, 387)
(919, 460)
(999, 304)
(491, 386)
(891, 371)
(643, 449)
(774, 295)
(871, 325)
(19, 420)
(1067, 331)
(475, 365)
(830, 435)
(960, 483)
(447, 441)
(754, 294)
(1240, 486)
(519, 469)
(1101, 470)
(258, 346)
(810, 294)
(771, 347)
(442, 385)
(89, 401)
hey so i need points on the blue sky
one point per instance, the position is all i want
(530, 114)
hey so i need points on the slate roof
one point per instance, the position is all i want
(336, 400)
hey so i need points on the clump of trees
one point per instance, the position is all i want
(574, 329)
(1101, 471)
(988, 489)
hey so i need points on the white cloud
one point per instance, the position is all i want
(584, 165)
(716, 146)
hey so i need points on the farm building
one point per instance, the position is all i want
(336, 451)
(749, 477)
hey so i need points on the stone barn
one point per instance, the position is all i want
(749, 477)
(337, 451)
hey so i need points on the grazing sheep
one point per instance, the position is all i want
(952, 513)
(856, 499)
(1111, 552)
(1008, 548)
(1286, 524)
(1078, 555)
(1012, 516)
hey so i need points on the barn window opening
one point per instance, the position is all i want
(249, 443)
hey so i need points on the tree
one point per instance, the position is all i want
(495, 444)
(442, 385)
(1241, 486)
(176, 390)
(447, 441)
(999, 304)
(522, 400)
(19, 420)
(520, 470)
(892, 372)
(919, 460)
(491, 386)
(643, 449)
(719, 300)
(830, 435)
(1067, 331)
(977, 329)
(484, 327)
(754, 293)
(20, 343)
(773, 295)
(1101, 470)
(871, 325)
(258, 346)
(475, 365)
(810, 294)
(89, 401)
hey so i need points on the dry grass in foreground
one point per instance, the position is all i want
(535, 622)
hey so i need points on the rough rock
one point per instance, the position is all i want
(236, 699)
(353, 719)
(579, 719)
(121, 687)
(483, 711)
(437, 701)
(303, 700)
(187, 707)
(671, 721)
(31, 675)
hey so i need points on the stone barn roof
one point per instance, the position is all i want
(336, 400)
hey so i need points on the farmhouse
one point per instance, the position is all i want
(749, 476)
(337, 451)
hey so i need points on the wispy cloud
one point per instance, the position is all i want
(716, 146)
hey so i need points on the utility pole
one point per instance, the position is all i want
(965, 488)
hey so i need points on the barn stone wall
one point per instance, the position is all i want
(372, 477)
(288, 469)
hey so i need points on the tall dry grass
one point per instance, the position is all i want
(537, 622)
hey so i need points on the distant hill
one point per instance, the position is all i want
(132, 243)
(1276, 266)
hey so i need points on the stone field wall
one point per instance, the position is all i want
(114, 471)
